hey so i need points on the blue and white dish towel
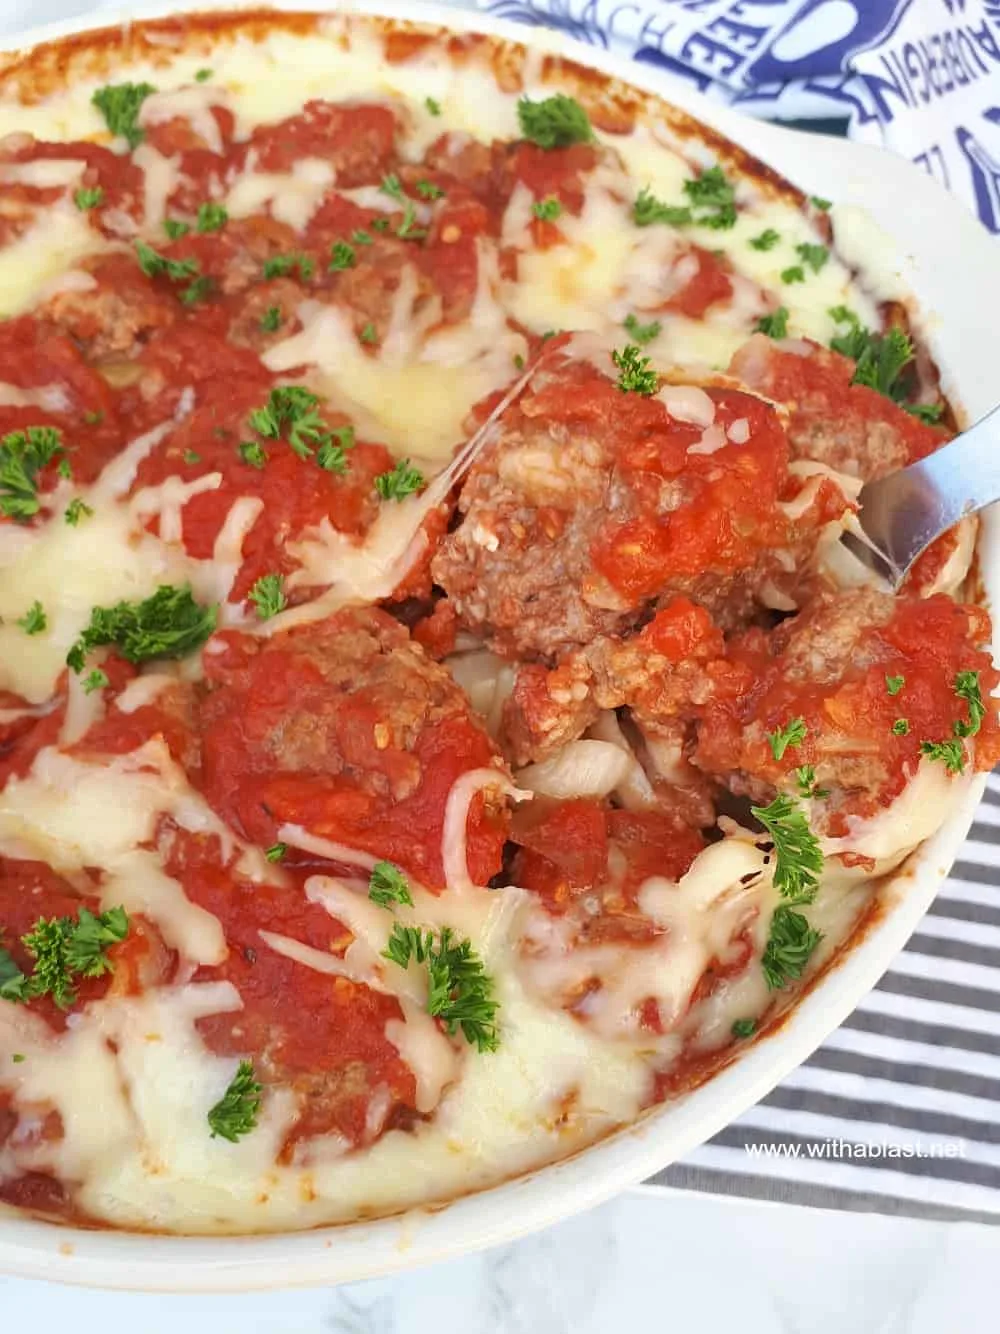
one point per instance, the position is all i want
(921, 77)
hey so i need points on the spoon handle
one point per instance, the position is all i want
(904, 512)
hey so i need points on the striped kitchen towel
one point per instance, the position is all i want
(898, 1111)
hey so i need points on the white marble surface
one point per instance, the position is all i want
(650, 1259)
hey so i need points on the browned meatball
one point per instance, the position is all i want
(346, 727)
(846, 426)
(592, 505)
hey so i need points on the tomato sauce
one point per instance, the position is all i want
(322, 1036)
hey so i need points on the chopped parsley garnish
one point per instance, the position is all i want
(64, 468)
(211, 217)
(518, 361)
(203, 75)
(280, 266)
(634, 375)
(823, 204)
(554, 122)
(12, 981)
(95, 680)
(894, 684)
(842, 315)
(900, 727)
(170, 624)
(290, 413)
(879, 358)
(155, 265)
(361, 237)
(547, 210)
(268, 596)
(64, 949)
(407, 229)
(460, 991)
(805, 777)
(647, 210)
(790, 944)
(797, 855)
(34, 620)
(388, 885)
(432, 105)
(774, 324)
(330, 456)
(814, 256)
(967, 688)
(76, 510)
(401, 482)
(796, 274)
(85, 199)
(428, 190)
(192, 456)
(379, 224)
(276, 852)
(175, 229)
(342, 256)
(767, 240)
(744, 1028)
(950, 753)
(18, 1057)
(792, 734)
(235, 1114)
(369, 333)
(120, 104)
(642, 333)
(711, 203)
(23, 455)
(198, 290)
(712, 193)
(252, 453)
(928, 413)
(271, 319)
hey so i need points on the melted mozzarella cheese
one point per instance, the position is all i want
(58, 238)
(293, 196)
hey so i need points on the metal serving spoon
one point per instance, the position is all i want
(903, 513)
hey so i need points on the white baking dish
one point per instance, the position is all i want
(913, 232)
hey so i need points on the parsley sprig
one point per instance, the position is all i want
(120, 104)
(641, 334)
(460, 991)
(790, 944)
(170, 624)
(711, 203)
(401, 482)
(634, 375)
(951, 753)
(64, 950)
(775, 323)
(407, 229)
(879, 358)
(388, 885)
(798, 860)
(235, 1114)
(792, 734)
(23, 455)
(268, 596)
(554, 122)
(291, 414)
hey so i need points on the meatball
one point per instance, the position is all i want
(591, 505)
(346, 728)
(843, 702)
(661, 674)
(847, 426)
